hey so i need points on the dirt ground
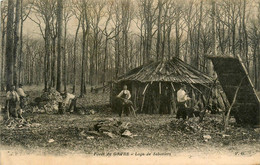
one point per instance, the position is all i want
(53, 134)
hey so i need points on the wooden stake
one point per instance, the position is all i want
(145, 88)
(173, 87)
(142, 103)
(160, 88)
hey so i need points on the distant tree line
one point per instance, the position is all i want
(114, 36)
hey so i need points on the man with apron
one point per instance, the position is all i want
(182, 98)
(12, 98)
(126, 102)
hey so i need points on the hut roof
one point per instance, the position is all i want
(174, 70)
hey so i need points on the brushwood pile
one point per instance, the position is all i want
(48, 102)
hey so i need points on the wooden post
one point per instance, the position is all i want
(173, 87)
(144, 92)
(160, 88)
(135, 95)
(145, 88)
(143, 103)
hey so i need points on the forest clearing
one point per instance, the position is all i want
(151, 132)
(119, 77)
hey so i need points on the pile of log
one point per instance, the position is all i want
(111, 128)
(48, 102)
(52, 94)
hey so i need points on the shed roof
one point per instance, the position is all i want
(174, 70)
(233, 75)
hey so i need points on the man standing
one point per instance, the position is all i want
(70, 100)
(125, 93)
(126, 103)
(11, 99)
(22, 96)
(182, 98)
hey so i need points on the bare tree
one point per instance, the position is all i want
(9, 45)
(78, 17)
(59, 42)
(148, 11)
(96, 14)
(44, 10)
(3, 36)
(25, 11)
(127, 16)
(67, 15)
(109, 35)
(16, 40)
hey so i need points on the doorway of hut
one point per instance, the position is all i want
(159, 98)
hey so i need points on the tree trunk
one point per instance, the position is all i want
(2, 36)
(158, 42)
(16, 40)
(258, 50)
(198, 37)
(20, 51)
(105, 60)
(83, 64)
(75, 56)
(9, 45)
(65, 65)
(177, 42)
(214, 45)
(59, 43)
(53, 77)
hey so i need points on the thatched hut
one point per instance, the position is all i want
(154, 85)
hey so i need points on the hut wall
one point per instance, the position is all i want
(159, 101)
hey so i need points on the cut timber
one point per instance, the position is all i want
(248, 110)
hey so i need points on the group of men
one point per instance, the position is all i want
(182, 99)
(13, 97)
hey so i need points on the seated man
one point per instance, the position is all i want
(69, 100)
(12, 98)
(126, 103)
(22, 96)
(182, 98)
